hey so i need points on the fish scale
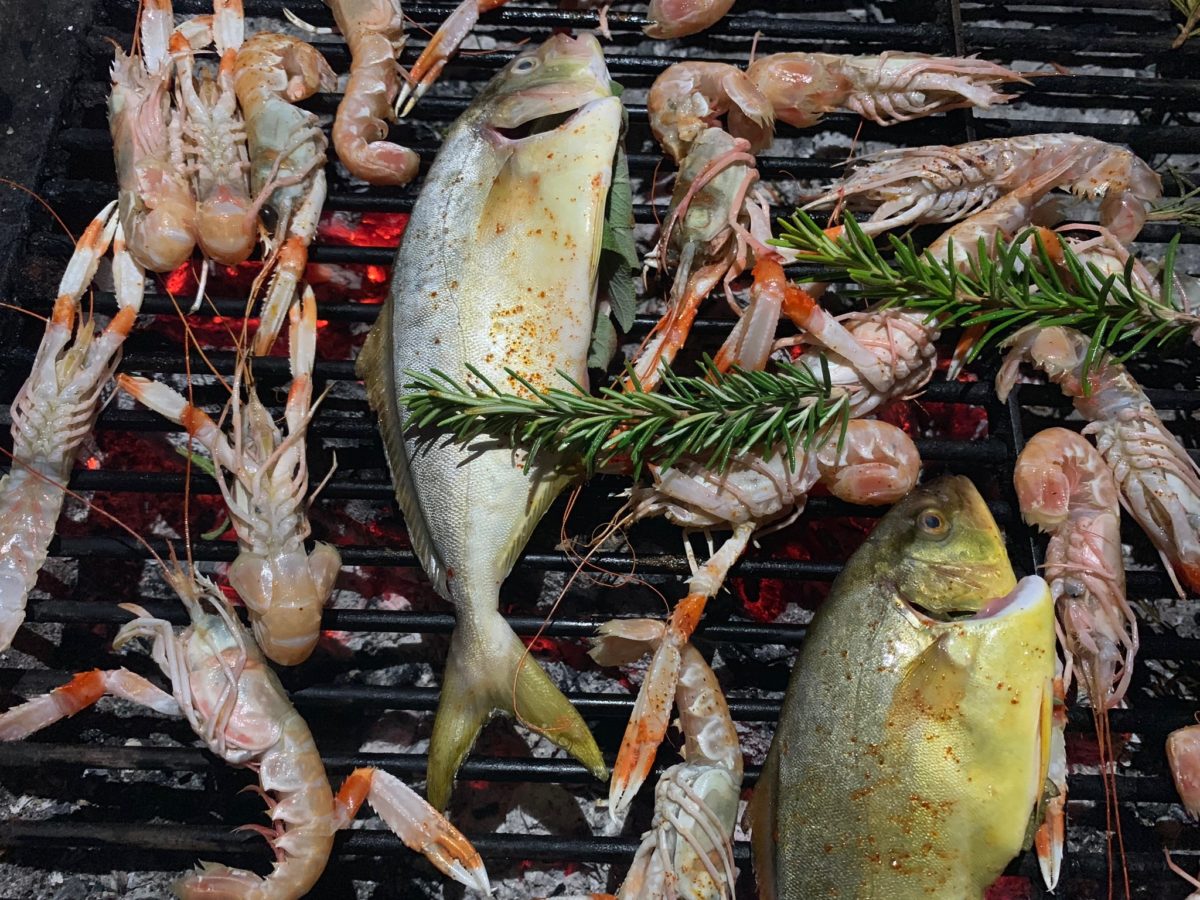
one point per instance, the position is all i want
(498, 269)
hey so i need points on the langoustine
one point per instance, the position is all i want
(287, 158)
(1158, 480)
(688, 850)
(214, 135)
(223, 687)
(156, 205)
(57, 406)
(1065, 488)
(263, 477)
(925, 185)
(876, 464)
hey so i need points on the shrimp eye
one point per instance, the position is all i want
(526, 65)
(933, 523)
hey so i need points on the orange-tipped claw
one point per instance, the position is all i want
(1050, 840)
(652, 710)
(443, 45)
(422, 827)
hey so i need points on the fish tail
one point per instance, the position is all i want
(489, 670)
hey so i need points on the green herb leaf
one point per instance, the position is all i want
(604, 343)
(714, 417)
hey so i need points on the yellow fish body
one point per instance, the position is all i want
(913, 744)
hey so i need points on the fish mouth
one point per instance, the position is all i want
(539, 124)
(1028, 593)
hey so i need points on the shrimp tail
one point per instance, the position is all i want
(489, 670)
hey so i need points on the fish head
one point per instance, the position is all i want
(944, 554)
(542, 87)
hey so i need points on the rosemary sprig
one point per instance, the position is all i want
(714, 417)
(1190, 10)
(1004, 290)
(1184, 209)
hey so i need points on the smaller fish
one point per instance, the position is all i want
(914, 742)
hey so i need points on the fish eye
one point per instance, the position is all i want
(525, 65)
(933, 523)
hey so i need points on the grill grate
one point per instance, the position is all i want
(136, 772)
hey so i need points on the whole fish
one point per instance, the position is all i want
(913, 745)
(497, 268)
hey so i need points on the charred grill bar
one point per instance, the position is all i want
(160, 804)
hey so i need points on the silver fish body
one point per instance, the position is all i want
(497, 269)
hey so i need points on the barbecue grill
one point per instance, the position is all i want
(135, 787)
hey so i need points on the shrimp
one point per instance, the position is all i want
(1183, 759)
(157, 209)
(1158, 481)
(874, 356)
(945, 184)
(688, 851)
(56, 408)
(264, 480)
(1065, 488)
(876, 464)
(215, 136)
(374, 31)
(287, 158)
(223, 687)
(892, 87)
(717, 222)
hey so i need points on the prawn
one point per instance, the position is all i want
(892, 87)
(264, 480)
(1065, 488)
(223, 687)
(945, 184)
(873, 356)
(1159, 483)
(215, 135)
(688, 850)
(56, 408)
(157, 208)
(287, 158)
(874, 464)
(374, 31)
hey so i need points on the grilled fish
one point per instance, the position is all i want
(913, 745)
(497, 268)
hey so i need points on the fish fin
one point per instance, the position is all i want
(489, 670)
(761, 813)
(375, 367)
